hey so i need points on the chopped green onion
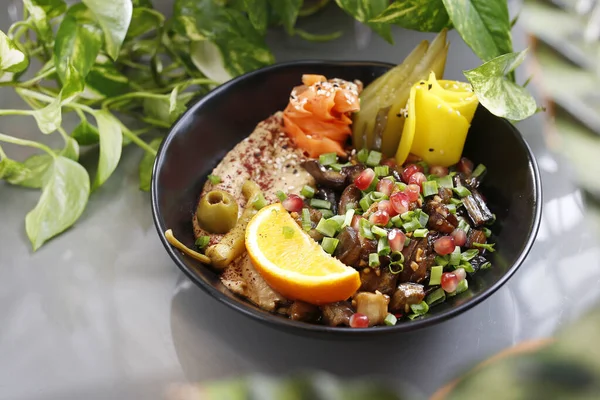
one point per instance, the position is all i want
(327, 227)
(307, 191)
(456, 202)
(338, 167)
(373, 159)
(436, 297)
(485, 265)
(348, 218)
(396, 220)
(401, 186)
(339, 220)
(329, 244)
(422, 217)
(306, 222)
(379, 231)
(487, 246)
(421, 233)
(326, 213)
(455, 257)
(451, 208)
(260, 202)
(491, 222)
(383, 246)
(462, 191)
(214, 179)
(365, 202)
(406, 241)
(467, 266)
(328, 158)
(462, 286)
(468, 255)
(479, 171)
(445, 182)
(407, 216)
(423, 165)
(420, 309)
(487, 232)
(411, 226)
(202, 241)
(351, 205)
(430, 188)
(281, 196)
(389, 224)
(435, 277)
(362, 155)
(464, 225)
(376, 196)
(288, 232)
(397, 257)
(382, 170)
(318, 203)
(442, 260)
(390, 320)
(374, 260)
(396, 267)
(365, 229)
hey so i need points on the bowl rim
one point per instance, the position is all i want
(298, 327)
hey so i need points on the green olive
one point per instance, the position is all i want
(217, 212)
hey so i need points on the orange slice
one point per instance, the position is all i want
(294, 264)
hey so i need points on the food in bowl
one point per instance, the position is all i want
(302, 224)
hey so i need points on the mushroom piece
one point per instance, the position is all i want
(324, 177)
(373, 305)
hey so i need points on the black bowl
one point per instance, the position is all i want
(213, 125)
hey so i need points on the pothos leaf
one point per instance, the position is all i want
(114, 16)
(52, 8)
(111, 142)
(71, 149)
(39, 18)
(287, 11)
(105, 80)
(420, 15)
(11, 169)
(37, 168)
(64, 197)
(144, 20)
(484, 25)
(207, 57)
(78, 42)
(257, 13)
(497, 93)
(314, 37)
(11, 58)
(364, 11)
(49, 118)
(146, 165)
(86, 134)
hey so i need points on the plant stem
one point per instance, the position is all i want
(38, 78)
(16, 112)
(64, 134)
(2, 153)
(136, 140)
(24, 142)
(133, 95)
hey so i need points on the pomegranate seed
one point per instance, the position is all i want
(412, 158)
(460, 237)
(379, 218)
(396, 239)
(460, 273)
(385, 205)
(444, 245)
(400, 202)
(390, 162)
(413, 191)
(359, 320)
(438, 170)
(293, 203)
(465, 166)
(385, 186)
(409, 171)
(364, 180)
(449, 282)
(356, 222)
(417, 178)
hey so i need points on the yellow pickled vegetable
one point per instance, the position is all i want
(439, 114)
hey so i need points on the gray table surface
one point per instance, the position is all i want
(103, 313)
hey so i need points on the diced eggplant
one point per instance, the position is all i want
(336, 314)
(405, 295)
(418, 258)
(324, 177)
(348, 249)
(367, 246)
(478, 210)
(475, 236)
(445, 194)
(440, 218)
(380, 279)
(352, 172)
(329, 195)
(301, 311)
(373, 305)
(350, 195)
(315, 217)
